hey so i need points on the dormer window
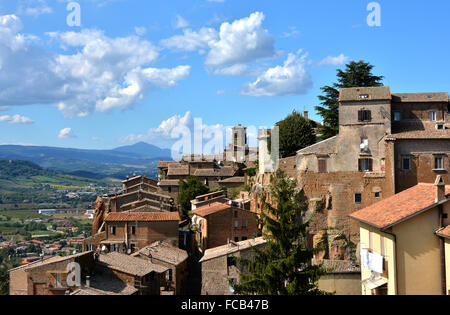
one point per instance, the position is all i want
(364, 115)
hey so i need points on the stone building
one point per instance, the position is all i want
(218, 223)
(219, 265)
(128, 232)
(111, 274)
(386, 143)
(171, 257)
(225, 169)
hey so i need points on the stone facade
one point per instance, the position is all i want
(386, 144)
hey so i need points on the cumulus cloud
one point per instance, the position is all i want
(191, 40)
(66, 133)
(180, 22)
(16, 119)
(239, 42)
(290, 79)
(34, 7)
(96, 72)
(242, 41)
(140, 30)
(335, 61)
(237, 69)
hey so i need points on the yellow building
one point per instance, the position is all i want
(404, 242)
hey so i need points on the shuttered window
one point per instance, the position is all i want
(322, 166)
(364, 115)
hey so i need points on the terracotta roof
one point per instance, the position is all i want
(419, 97)
(164, 252)
(142, 216)
(130, 265)
(210, 209)
(232, 248)
(225, 171)
(418, 130)
(445, 232)
(399, 207)
(374, 93)
(176, 170)
(234, 179)
(169, 182)
(338, 266)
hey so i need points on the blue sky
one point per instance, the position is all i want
(136, 69)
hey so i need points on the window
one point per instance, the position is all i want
(236, 239)
(397, 116)
(365, 165)
(433, 116)
(133, 248)
(358, 198)
(235, 214)
(365, 146)
(377, 194)
(231, 261)
(322, 166)
(364, 96)
(112, 230)
(236, 224)
(244, 238)
(438, 163)
(406, 163)
(244, 224)
(440, 126)
(169, 275)
(364, 115)
(169, 189)
(133, 230)
(112, 248)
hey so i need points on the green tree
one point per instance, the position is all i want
(296, 133)
(356, 74)
(284, 266)
(189, 189)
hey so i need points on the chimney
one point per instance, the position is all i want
(305, 115)
(440, 189)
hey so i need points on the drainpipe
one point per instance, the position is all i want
(442, 250)
(395, 259)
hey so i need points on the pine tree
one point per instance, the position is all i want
(356, 74)
(296, 133)
(284, 266)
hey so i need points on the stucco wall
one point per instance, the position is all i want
(418, 254)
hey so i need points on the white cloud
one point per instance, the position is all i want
(180, 22)
(190, 40)
(240, 42)
(220, 92)
(66, 133)
(96, 73)
(140, 30)
(16, 119)
(34, 8)
(237, 69)
(290, 79)
(335, 61)
(293, 32)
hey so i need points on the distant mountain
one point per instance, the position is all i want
(141, 158)
(144, 149)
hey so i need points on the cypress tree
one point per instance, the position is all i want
(283, 267)
(356, 74)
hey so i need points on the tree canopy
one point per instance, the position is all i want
(296, 133)
(189, 189)
(284, 266)
(356, 74)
